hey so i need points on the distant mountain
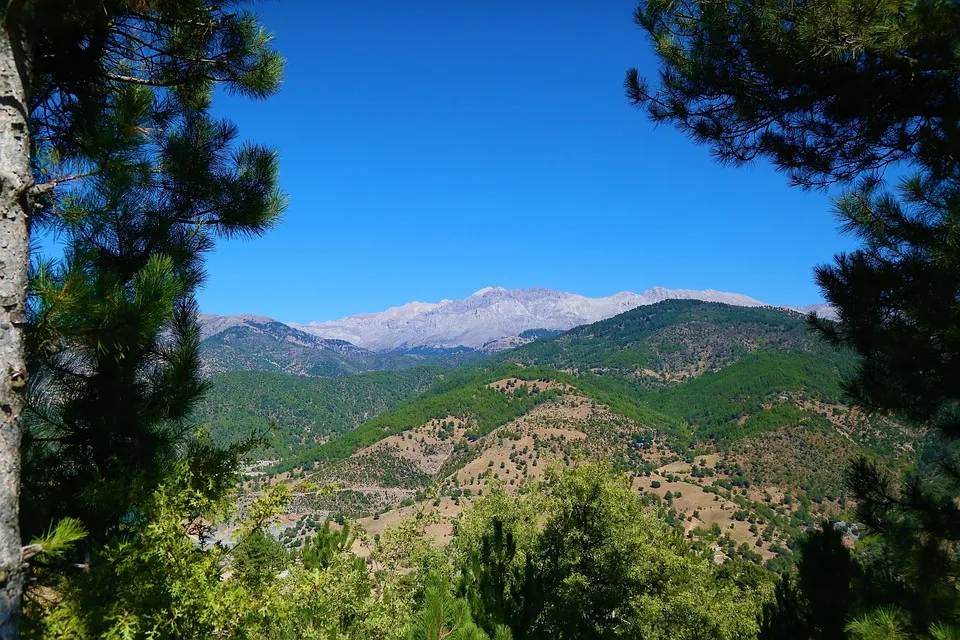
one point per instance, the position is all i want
(449, 332)
(258, 343)
(677, 340)
(822, 309)
(492, 314)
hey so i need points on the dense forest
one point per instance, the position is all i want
(686, 470)
(294, 412)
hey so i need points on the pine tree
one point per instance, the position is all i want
(319, 550)
(817, 602)
(444, 616)
(827, 91)
(838, 91)
(257, 556)
(501, 591)
(114, 340)
(99, 96)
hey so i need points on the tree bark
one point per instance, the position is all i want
(15, 195)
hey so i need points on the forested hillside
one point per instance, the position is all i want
(733, 442)
(682, 471)
(675, 339)
(295, 412)
(706, 367)
(273, 346)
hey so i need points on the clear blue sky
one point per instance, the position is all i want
(433, 148)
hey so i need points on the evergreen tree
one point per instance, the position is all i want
(257, 556)
(320, 549)
(107, 104)
(827, 91)
(817, 602)
(443, 615)
(502, 589)
(114, 340)
(837, 91)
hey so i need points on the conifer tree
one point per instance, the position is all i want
(106, 132)
(827, 91)
(501, 590)
(320, 550)
(444, 616)
(838, 92)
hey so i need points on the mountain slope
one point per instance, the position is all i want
(694, 371)
(493, 313)
(689, 369)
(750, 492)
(728, 420)
(257, 343)
(303, 411)
(674, 340)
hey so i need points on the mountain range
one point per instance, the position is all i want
(732, 416)
(449, 332)
(493, 313)
(258, 343)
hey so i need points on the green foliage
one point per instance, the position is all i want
(909, 256)
(302, 411)
(339, 602)
(121, 112)
(54, 544)
(256, 556)
(599, 566)
(156, 581)
(883, 587)
(495, 552)
(164, 580)
(881, 624)
(321, 549)
(445, 616)
(825, 91)
(823, 598)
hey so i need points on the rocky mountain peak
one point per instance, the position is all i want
(493, 313)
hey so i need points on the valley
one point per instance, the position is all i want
(728, 422)
(255, 385)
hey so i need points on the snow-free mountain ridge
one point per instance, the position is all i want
(491, 319)
(493, 313)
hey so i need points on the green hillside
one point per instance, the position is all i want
(692, 371)
(713, 403)
(464, 393)
(303, 411)
(718, 406)
(274, 346)
(660, 341)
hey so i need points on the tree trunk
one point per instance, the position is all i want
(15, 186)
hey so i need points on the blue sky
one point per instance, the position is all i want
(430, 149)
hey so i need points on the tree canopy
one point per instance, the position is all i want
(848, 91)
(131, 172)
(827, 91)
